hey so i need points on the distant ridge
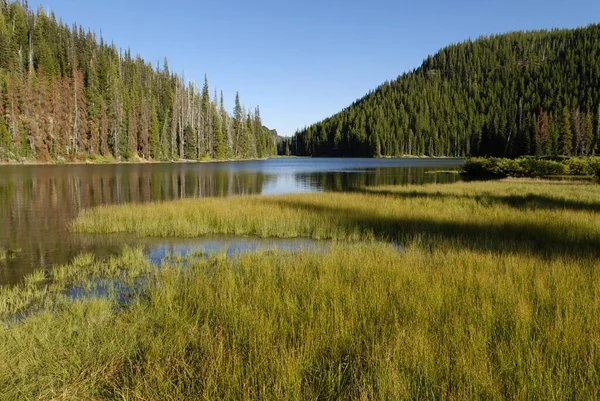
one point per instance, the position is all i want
(521, 93)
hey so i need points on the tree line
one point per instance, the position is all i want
(66, 94)
(521, 93)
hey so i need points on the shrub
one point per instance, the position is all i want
(532, 167)
(488, 167)
(580, 166)
(538, 168)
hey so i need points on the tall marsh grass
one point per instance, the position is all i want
(44, 290)
(550, 219)
(357, 322)
(494, 294)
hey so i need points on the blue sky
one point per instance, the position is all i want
(302, 61)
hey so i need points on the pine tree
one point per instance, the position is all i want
(462, 101)
(155, 145)
(64, 93)
(588, 134)
(287, 148)
(5, 140)
(190, 148)
(248, 141)
(238, 127)
(566, 135)
(78, 114)
(577, 131)
(104, 146)
(220, 146)
(207, 121)
(542, 135)
(93, 104)
(259, 135)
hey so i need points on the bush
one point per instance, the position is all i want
(488, 167)
(532, 167)
(476, 166)
(581, 166)
(539, 168)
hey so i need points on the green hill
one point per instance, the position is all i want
(522, 93)
(65, 94)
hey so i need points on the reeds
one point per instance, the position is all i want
(549, 219)
(492, 293)
(356, 322)
(42, 290)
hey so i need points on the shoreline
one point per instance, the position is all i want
(144, 161)
(119, 162)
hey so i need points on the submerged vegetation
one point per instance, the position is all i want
(481, 290)
(8, 254)
(533, 167)
(42, 290)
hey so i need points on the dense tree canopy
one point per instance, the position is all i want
(65, 94)
(522, 93)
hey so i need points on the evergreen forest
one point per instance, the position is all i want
(66, 94)
(517, 94)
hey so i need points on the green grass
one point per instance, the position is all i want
(357, 322)
(9, 254)
(493, 293)
(44, 290)
(543, 218)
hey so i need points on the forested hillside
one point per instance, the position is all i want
(523, 93)
(65, 94)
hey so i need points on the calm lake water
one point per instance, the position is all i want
(37, 203)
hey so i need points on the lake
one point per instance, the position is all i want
(37, 203)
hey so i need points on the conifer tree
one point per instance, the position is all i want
(482, 97)
(259, 135)
(220, 145)
(66, 94)
(565, 135)
(238, 127)
(588, 135)
(155, 145)
(542, 135)
(5, 140)
(207, 120)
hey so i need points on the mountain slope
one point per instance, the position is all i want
(516, 94)
(67, 95)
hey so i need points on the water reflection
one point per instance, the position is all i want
(159, 249)
(37, 203)
(354, 180)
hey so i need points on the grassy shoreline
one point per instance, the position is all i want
(542, 217)
(493, 294)
(357, 322)
(111, 160)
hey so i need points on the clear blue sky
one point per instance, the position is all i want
(304, 60)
